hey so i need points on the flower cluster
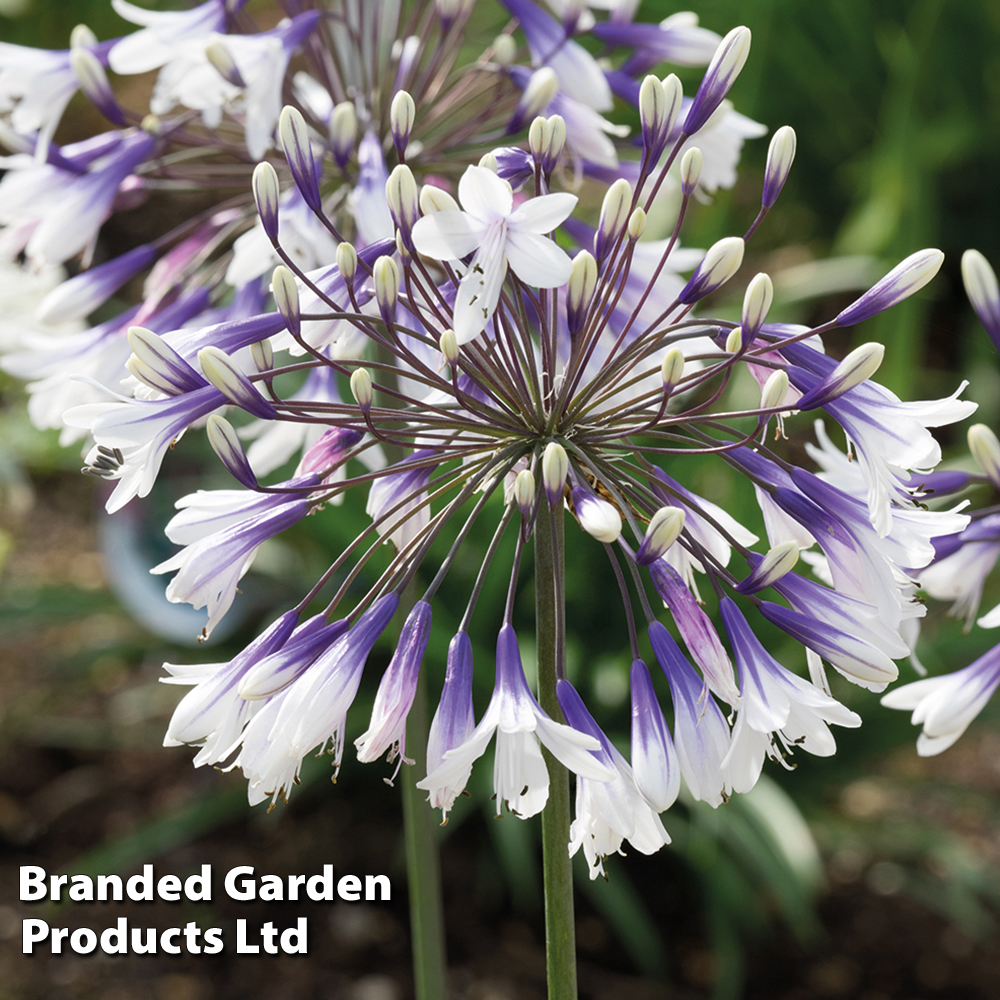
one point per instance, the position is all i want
(946, 704)
(409, 238)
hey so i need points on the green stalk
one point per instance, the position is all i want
(423, 866)
(550, 614)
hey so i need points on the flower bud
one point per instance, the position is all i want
(769, 568)
(343, 132)
(985, 450)
(266, 192)
(361, 388)
(541, 88)
(504, 50)
(673, 92)
(434, 199)
(294, 135)
(636, 224)
(222, 61)
(224, 374)
(859, 365)
(262, 355)
(557, 142)
(664, 529)
(489, 161)
(286, 298)
(385, 275)
(401, 194)
(774, 391)
(580, 290)
(614, 217)
(524, 493)
(780, 155)
(652, 115)
(555, 469)
(347, 261)
(226, 444)
(159, 365)
(756, 303)
(94, 83)
(721, 74)
(691, 164)
(734, 342)
(596, 516)
(907, 277)
(81, 37)
(402, 113)
(984, 294)
(719, 264)
(672, 369)
(539, 134)
(449, 346)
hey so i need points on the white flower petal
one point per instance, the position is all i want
(537, 261)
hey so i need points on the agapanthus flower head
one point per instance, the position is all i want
(399, 308)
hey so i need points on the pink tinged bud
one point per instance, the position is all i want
(580, 290)
(985, 450)
(984, 294)
(159, 365)
(697, 630)
(329, 451)
(900, 283)
(719, 77)
(226, 444)
(94, 83)
(224, 374)
(691, 163)
(294, 135)
(614, 217)
(769, 568)
(266, 192)
(664, 529)
(454, 721)
(402, 114)
(387, 729)
(858, 366)
(756, 303)
(385, 276)
(780, 155)
(286, 298)
(719, 264)
(596, 516)
(555, 468)
(343, 132)
(654, 760)
(81, 295)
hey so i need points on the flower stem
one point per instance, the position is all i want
(423, 866)
(550, 611)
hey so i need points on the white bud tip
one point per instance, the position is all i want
(985, 450)
(734, 341)
(347, 261)
(774, 391)
(672, 369)
(636, 224)
(489, 161)
(361, 388)
(555, 468)
(691, 164)
(449, 346)
(433, 199)
(504, 50)
(524, 490)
